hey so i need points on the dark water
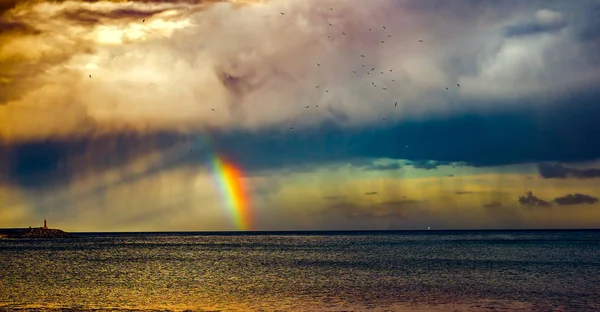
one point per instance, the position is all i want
(495, 270)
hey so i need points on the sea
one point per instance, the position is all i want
(542, 270)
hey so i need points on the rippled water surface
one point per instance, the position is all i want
(507, 271)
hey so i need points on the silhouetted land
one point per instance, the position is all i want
(33, 233)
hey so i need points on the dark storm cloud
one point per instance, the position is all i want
(575, 199)
(564, 133)
(531, 200)
(558, 171)
(428, 164)
(383, 167)
(566, 130)
(53, 163)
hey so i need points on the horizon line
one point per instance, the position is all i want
(258, 232)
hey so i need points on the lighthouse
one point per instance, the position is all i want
(45, 226)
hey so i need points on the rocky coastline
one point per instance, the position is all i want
(37, 233)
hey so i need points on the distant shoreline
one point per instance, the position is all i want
(39, 232)
(12, 231)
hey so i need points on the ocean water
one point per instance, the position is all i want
(368, 271)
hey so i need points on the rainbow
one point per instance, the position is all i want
(231, 182)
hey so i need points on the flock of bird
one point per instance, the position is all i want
(363, 65)
(354, 71)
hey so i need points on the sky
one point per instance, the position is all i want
(195, 115)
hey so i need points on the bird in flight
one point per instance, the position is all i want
(396, 104)
(282, 13)
(383, 27)
(318, 64)
(458, 84)
(420, 40)
(90, 76)
(143, 20)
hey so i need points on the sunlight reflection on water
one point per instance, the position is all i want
(303, 272)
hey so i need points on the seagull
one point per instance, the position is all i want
(362, 56)
(143, 20)
(382, 41)
(383, 27)
(354, 72)
(317, 86)
(391, 70)
(90, 76)
(384, 88)
(307, 106)
(330, 24)
(282, 13)
(326, 90)
(420, 40)
(372, 69)
(318, 64)
(344, 33)
(428, 228)
(396, 105)
(389, 36)
(213, 110)
(458, 84)
(446, 88)
(381, 73)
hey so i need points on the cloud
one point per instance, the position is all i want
(558, 171)
(430, 164)
(532, 200)
(383, 167)
(188, 58)
(543, 21)
(575, 199)
(463, 192)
